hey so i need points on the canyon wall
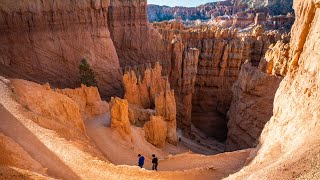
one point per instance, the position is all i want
(203, 12)
(289, 145)
(44, 41)
(253, 96)
(251, 107)
(135, 40)
(274, 6)
(183, 78)
(223, 9)
(221, 54)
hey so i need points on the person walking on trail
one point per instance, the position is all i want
(154, 162)
(141, 160)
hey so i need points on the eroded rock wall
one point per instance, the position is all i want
(276, 60)
(251, 107)
(44, 41)
(289, 145)
(184, 85)
(136, 41)
(253, 97)
(245, 125)
(221, 54)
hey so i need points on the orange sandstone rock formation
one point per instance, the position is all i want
(276, 60)
(221, 54)
(88, 100)
(44, 41)
(135, 40)
(165, 103)
(52, 109)
(183, 79)
(142, 92)
(253, 91)
(151, 95)
(119, 112)
(156, 131)
(289, 145)
(251, 107)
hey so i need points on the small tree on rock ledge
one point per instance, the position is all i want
(87, 76)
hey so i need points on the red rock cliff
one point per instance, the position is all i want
(135, 40)
(45, 41)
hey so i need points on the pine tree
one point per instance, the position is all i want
(87, 76)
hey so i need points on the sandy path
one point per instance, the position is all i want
(122, 153)
(226, 162)
(116, 149)
(13, 128)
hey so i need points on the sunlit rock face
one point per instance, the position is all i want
(119, 113)
(149, 94)
(44, 41)
(289, 144)
(230, 13)
(203, 12)
(141, 89)
(276, 60)
(182, 79)
(156, 131)
(88, 100)
(52, 109)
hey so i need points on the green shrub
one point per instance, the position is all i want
(87, 76)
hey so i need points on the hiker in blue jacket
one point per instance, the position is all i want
(141, 160)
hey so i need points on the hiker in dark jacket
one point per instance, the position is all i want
(154, 162)
(141, 160)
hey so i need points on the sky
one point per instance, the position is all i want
(186, 3)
